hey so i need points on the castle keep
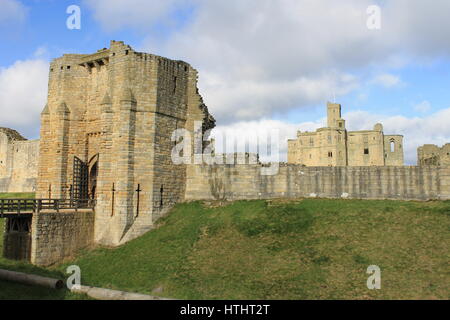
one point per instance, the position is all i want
(335, 146)
(106, 135)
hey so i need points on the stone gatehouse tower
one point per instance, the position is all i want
(106, 134)
(335, 146)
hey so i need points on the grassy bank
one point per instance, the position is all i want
(310, 249)
(305, 249)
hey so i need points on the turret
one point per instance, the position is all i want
(334, 114)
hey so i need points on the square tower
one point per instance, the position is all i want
(106, 134)
(333, 114)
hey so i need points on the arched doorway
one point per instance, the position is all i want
(93, 174)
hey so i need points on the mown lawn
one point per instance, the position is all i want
(305, 249)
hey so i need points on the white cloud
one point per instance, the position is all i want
(260, 57)
(23, 93)
(423, 107)
(12, 11)
(435, 126)
(248, 131)
(387, 80)
(258, 99)
(142, 14)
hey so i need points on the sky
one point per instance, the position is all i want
(263, 64)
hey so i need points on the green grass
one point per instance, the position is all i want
(305, 249)
(16, 195)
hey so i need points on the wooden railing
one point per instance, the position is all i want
(30, 206)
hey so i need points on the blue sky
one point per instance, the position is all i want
(262, 63)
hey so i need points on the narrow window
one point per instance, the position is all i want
(161, 191)
(330, 154)
(366, 151)
(174, 84)
(392, 146)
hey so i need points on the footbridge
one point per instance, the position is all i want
(44, 231)
(15, 208)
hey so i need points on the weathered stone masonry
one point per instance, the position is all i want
(240, 182)
(115, 111)
(335, 146)
(18, 162)
(57, 235)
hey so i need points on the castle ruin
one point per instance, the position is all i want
(432, 155)
(107, 136)
(335, 146)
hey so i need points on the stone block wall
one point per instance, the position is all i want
(432, 155)
(18, 162)
(57, 235)
(115, 110)
(240, 182)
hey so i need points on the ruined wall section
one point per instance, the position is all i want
(240, 182)
(18, 162)
(179, 106)
(432, 155)
(393, 150)
(366, 148)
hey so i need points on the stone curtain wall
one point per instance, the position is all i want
(240, 182)
(18, 163)
(57, 235)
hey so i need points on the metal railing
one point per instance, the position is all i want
(30, 206)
